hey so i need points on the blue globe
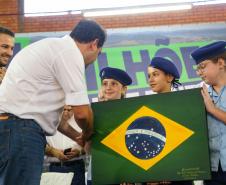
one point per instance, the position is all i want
(145, 137)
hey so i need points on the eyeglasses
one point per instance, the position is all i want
(202, 66)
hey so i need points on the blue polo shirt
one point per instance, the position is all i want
(217, 131)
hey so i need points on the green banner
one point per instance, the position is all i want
(134, 60)
(150, 138)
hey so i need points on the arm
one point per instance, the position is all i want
(83, 115)
(70, 132)
(53, 152)
(70, 76)
(211, 108)
(65, 128)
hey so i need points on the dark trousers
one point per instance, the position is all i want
(77, 167)
(22, 146)
(218, 178)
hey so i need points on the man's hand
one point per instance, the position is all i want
(54, 152)
(74, 153)
(84, 118)
(87, 135)
(60, 155)
(87, 147)
(80, 140)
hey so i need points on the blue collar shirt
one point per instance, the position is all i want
(217, 131)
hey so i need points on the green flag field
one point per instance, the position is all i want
(150, 138)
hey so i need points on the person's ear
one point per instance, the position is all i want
(124, 90)
(94, 44)
(222, 63)
(169, 78)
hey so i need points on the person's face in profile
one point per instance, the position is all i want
(6, 48)
(67, 113)
(159, 81)
(92, 52)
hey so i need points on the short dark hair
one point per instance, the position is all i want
(6, 31)
(221, 55)
(87, 30)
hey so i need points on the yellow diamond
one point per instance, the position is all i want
(176, 134)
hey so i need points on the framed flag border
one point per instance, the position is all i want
(151, 138)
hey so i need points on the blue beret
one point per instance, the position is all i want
(208, 51)
(116, 74)
(165, 65)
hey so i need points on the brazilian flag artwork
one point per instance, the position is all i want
(161, 137)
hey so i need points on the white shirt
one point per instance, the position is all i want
(41, 79)
(63, 142)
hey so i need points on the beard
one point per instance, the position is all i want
(4, 59)
(3, 63)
